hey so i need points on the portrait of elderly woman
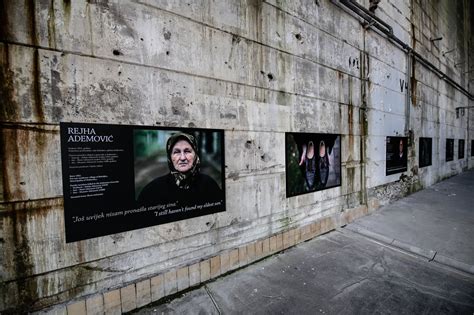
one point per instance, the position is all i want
(182, 168)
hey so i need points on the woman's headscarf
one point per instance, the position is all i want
(183, 180)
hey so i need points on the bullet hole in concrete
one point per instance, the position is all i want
(167, 53)
(191, 125)
(208, 223)
(62, 54)
(248, 144)
(167, 35)
(270, 77)
(247, 166)
(235, 39)
(116, 52)
(262, 157)
(22, 183)
(298, 36)
(225, 62)
(262, 72)
(259, 148)
(120, 72)
(141, 38)
(234, 175)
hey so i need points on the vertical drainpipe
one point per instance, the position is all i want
(468, 139)
(468, 110)
(408, 78)
(469, 75)
(408, 94)
(363, 119)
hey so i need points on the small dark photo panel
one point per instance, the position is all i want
(425, 154)
(313, 162)
(461, 149)
(449, 150)
(396, 155)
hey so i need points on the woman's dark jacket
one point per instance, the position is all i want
(163, 190)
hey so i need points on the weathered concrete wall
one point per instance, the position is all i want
(432, 101)
(255, 68)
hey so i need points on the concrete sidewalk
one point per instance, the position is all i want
(437, 222)
(413, 256)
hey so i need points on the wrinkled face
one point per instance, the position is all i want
(182, 156)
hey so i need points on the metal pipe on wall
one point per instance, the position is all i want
(387, 31)
(356, 6)
(408, 92)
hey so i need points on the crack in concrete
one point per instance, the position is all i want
(372, 274)
(214, 302)
(350, 287)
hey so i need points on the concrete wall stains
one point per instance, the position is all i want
(256, 69)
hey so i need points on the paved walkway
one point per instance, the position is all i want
(415, 256)
(437, 222)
